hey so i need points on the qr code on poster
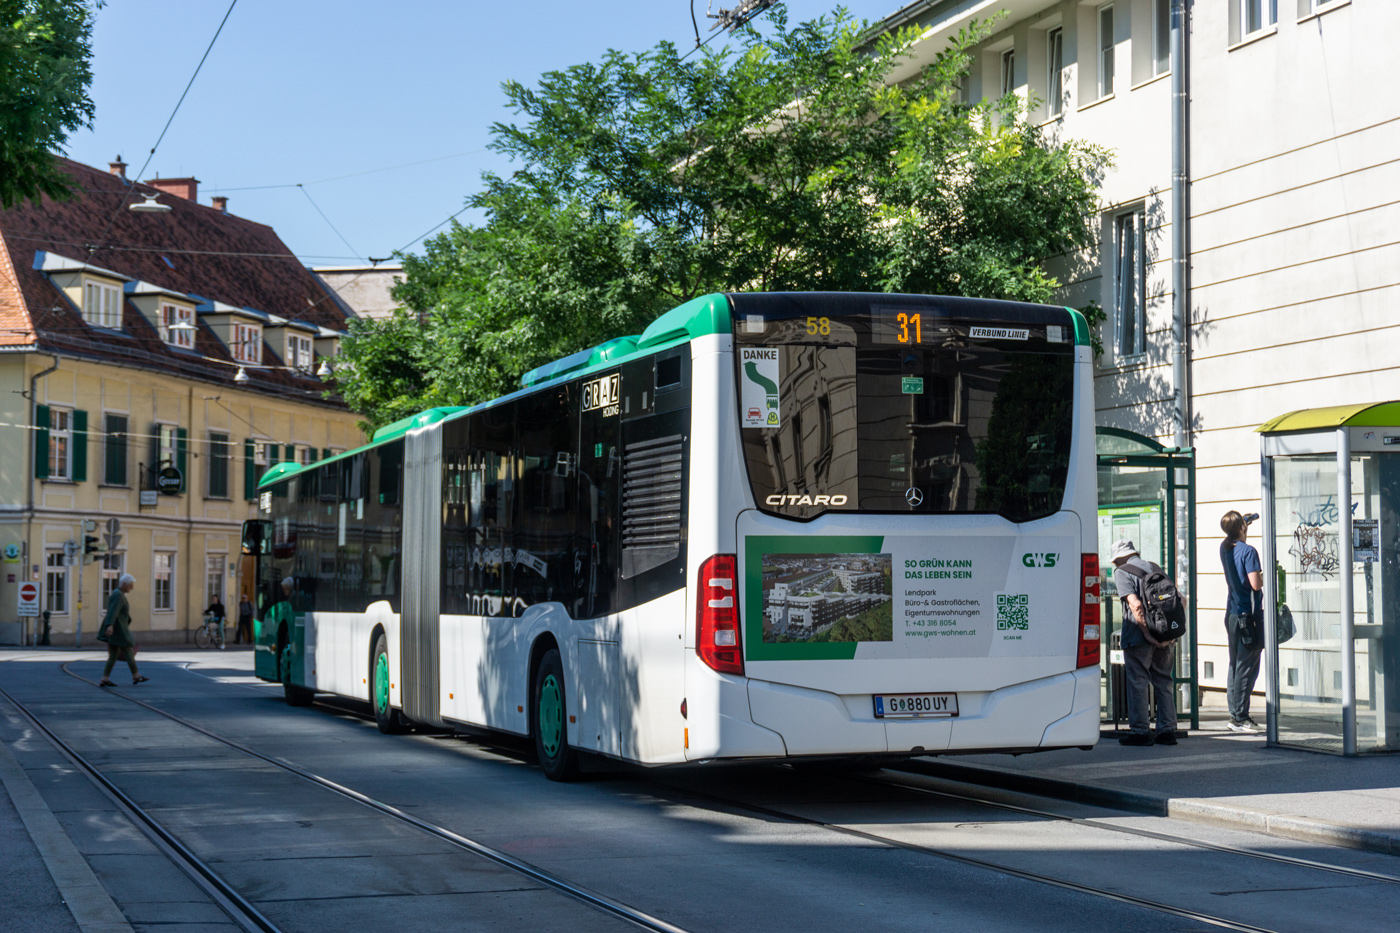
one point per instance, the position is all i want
(1013, 611)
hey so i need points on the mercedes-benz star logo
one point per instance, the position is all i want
(913, 496)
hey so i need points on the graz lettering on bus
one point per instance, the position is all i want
(601, 393)
(781, 499)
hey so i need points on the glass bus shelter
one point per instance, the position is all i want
(1139, 480)
(1331, 480)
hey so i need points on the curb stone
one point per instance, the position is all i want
(1191, 809)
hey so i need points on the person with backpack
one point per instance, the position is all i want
(1244, 616)
(1147, 658)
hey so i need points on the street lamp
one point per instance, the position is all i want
(150, 206)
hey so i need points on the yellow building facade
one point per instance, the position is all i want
(147, 381)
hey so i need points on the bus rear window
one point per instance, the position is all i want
(903, 408)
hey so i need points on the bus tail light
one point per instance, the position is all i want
(717, 638)
(1089, 611)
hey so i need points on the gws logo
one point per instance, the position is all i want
(1039, 560)
(805, 500)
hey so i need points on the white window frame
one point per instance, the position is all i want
(56, 582)
(246, 343)
(1055, 70)
(1161, 37)
(1266, 10)
(112, 563)
(1309, 7)
(175, 314)
(1130, 285)
(214, 579)
(102, 304)
(1105, 48)
(167, 445)
(163, 581)
(299, 352)
(1008, 71)
(60, 443)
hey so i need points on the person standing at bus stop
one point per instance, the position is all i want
(1147, 662)
(1244, 616)
(116, 632)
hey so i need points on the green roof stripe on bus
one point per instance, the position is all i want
(421, 420)
(699, 317)
(1081, 328)
(279, 472)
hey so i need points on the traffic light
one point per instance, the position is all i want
(91, 544)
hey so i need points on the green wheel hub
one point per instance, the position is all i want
(551, 715)
(381, 683)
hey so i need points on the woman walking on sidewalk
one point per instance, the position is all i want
(116, 632)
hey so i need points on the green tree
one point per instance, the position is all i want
(795, 162)
(45, 46)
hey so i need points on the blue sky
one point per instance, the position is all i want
(309, 91)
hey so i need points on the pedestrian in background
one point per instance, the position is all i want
(1244, 616)
(116, 632)
(1147, 662)
(245, 621)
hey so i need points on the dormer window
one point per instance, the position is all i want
(299, 353)
(177, 326)
(246, 345)
(102, 304)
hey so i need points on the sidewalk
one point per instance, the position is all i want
(1213, 776)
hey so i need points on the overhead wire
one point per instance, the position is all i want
(151, 155)
(352, 249)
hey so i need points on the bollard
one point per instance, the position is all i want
(45, 640)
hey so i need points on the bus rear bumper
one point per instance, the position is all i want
(1062, 710)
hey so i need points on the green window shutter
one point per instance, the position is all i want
(313, 453)
(325, 453)
(80, 445)
(115, 449)
(273, 453)
(182, 446)
(153, 463)
(250, 471)
(41, 442)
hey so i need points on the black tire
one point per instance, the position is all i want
(201, 637)
(294, 695)
(549, 717)
(389, 720)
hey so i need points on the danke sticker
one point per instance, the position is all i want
(760, 374)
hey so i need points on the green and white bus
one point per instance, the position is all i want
(773, 526)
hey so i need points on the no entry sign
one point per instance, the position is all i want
(29, 599)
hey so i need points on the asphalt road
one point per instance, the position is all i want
(763, 848)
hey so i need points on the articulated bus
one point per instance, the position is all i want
(772, 527)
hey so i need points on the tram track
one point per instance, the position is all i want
(613, 907)
(240, 909)
(1042, 814)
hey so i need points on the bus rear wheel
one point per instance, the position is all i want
(389, 720)
(295, 695)
(558, 761)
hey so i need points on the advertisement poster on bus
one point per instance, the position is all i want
(829, 597)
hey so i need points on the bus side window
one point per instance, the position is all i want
(599, 512)
(547, 451)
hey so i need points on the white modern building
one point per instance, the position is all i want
(1275, 122)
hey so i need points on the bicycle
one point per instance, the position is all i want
(211, 633)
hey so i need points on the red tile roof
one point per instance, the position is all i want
(192, 249)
